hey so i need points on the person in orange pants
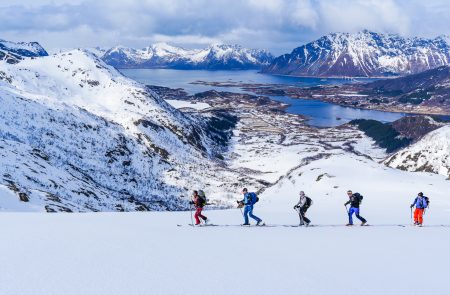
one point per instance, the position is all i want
(421, 204)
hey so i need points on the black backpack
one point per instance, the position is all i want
(308, 203)
(202, 196)
(358, 197)
(428, 201)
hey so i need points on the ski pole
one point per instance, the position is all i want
(346, 209)
(190, 209)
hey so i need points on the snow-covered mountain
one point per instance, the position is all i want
(430, 154)
(363, 54)
(76, 135)
(162, 55)
(12, 52)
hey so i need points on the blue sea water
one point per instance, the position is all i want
(320, 114)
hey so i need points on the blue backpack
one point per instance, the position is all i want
(254, 198)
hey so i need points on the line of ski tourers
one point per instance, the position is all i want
(249, 200)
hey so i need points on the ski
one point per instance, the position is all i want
(313, 225)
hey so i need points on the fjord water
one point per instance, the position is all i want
(320, 114)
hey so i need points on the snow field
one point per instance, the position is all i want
(146, 253)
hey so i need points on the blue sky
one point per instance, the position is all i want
(277, 25)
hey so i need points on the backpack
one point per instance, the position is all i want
(255, 198)
(426, 199)
(308, 203)
(358, 197)
(202, 196)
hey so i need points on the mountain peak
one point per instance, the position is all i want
(13, 52)
(215, 56)
(364, 54)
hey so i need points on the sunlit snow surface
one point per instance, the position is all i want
(147, 253)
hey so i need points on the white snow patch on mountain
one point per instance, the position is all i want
(431, 154)
(179, 104)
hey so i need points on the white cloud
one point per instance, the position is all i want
(272, 24)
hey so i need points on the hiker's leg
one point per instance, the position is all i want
(416, 215)
(246, 210)
(253, 216)
(420, 216)
(197, 213)
(359, 216)
(350, 213)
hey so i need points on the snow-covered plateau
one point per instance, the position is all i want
(77, 136)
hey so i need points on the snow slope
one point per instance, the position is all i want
(85, 138)
(162, 55)
(431, 154)
(142, 253)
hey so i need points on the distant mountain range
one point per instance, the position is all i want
(162, 55)
(363, 54)
(12, 52)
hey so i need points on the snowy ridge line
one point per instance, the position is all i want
(162, 55)
(363, 54)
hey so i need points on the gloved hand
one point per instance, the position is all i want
(295, 207)
(191, 202)
(411, 206)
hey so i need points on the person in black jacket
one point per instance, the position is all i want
(354, 201)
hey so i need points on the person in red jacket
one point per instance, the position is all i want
(199, 201)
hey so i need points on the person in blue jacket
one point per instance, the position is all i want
(421, 203)
(249, 200)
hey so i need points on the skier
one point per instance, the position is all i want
(199, 201)
(421, 204)
(249, 200)
(302, 206)
(354, 201)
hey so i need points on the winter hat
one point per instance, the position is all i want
(244, 190)
(302, 193)
(420, 194)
